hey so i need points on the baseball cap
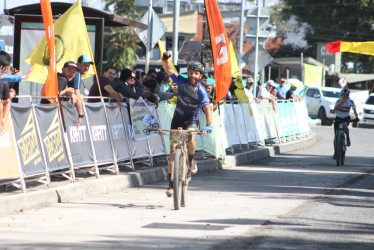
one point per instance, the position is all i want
(249, 79)
(70, 64)
(85, 59)
(293, 85)
(271, 83)
(282, 80)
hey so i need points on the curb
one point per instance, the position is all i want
(15, 203)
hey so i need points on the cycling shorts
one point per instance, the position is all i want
(185, 124)
(338, 120)
(4, 91)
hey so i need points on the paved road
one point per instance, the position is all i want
(296, 200)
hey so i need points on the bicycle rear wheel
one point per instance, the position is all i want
(342, 145)
(177, 182)
(338, 149)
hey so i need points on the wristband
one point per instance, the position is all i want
(81, 116)
(208, 123)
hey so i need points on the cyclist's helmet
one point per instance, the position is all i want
(195, 65)
(345, 92)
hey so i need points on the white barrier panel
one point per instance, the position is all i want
(240, 124)
(259, 121)
(301, 111)
(231, 130)
(249, 121)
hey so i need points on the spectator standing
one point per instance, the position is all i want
(264, 93)
(125, 85)
(290, 94)
(248, 90)
(282, 91)
(105, 87)
(6, 77)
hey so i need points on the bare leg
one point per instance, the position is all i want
(5, 114)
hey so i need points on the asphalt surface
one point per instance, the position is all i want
(296, 199)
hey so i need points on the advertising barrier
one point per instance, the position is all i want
(78, 138)
(36, 143)
(51, 133)
(27, 139)
(99, 128)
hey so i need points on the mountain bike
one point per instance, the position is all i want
(340, 146)
(180, 172)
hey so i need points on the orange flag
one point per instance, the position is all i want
(220, 49)
(50, 87)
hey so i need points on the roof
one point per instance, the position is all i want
(110, 19)
(294, 61)
(353, 78)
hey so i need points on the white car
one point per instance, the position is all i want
(321, 101)
(368, 108)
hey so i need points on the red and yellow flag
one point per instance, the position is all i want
(50, 87)
(366, 48)
(220, 49)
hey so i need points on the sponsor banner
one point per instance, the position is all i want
(240, 123)
(155, 142)
(79, 139)
(118, 132)
(99, 132)
(142, 119)
(301, 112)
(230, 125)
(249, 121)
(294, 118)
(140, 148)
(10, 167)
(283, 110)
(258, 120)
(165, 113)
(27, 139)
(278, 124)
(51, 132)
(269, 117)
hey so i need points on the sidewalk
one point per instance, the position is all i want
(65, 191)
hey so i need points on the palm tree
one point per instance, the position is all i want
(121, 43)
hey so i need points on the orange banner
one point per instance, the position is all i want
(50, 87)
(220, 49)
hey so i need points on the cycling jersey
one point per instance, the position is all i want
(190, 99)
(345, 108)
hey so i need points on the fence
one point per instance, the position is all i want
(39, 141)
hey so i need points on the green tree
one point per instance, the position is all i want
(121, 42)
(331, 20)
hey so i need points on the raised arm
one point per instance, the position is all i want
(165, 63)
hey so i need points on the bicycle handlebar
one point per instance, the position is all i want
(162, 131)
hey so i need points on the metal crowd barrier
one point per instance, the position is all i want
(41, 140)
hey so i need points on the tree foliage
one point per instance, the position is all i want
(331, 20)
(121, 42)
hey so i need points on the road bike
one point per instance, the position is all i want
(180, 172)
(340, 146)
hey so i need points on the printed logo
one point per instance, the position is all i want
(53, 141)
(221, 45)
(28, 143)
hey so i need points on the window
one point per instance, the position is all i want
(333, 94)
(370, 100)
(311, 92)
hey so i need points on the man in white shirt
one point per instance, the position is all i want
(248, 90)
(264, 93)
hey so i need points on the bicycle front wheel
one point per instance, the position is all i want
(177, 181)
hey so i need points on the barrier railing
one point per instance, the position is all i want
(37, 143)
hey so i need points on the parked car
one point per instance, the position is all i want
(368, 108)
(321, 101)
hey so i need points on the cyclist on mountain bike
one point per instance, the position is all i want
(342, 110)
(192, 96)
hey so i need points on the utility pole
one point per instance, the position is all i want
(176, 31)
(241, 31)
(149, 35)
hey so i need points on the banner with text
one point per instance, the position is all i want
(48, 119)
(27, 138)
(79, 139)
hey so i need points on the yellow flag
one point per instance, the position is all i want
(237, 76)
(162, 50)
(71, 41)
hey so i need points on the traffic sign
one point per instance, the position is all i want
(157, 27)
(263, 59)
